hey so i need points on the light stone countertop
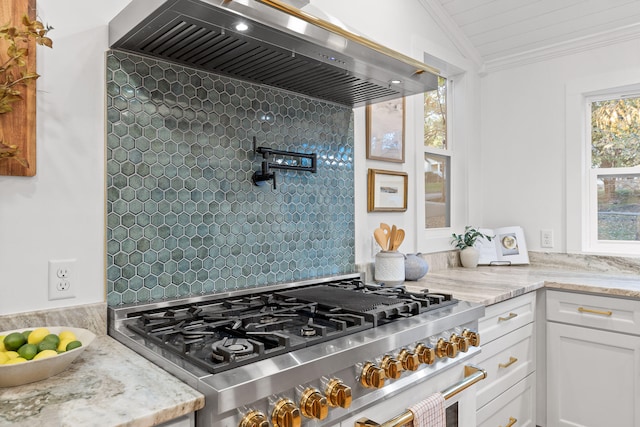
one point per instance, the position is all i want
(108, 385)
(490, 285)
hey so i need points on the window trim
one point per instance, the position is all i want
(447, 152)
(590, 242)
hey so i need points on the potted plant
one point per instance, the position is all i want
(14, 72)
(466, 242)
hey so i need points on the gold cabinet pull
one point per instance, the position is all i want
(512, 421)
(509, 317)
(511, 361)
(600, 312)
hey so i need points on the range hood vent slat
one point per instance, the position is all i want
(198, 34)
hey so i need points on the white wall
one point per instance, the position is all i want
(59, 213)
(530, 136)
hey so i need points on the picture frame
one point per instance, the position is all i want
(385, 124)
(386, 191)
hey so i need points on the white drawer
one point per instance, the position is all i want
(594, 311)
(506, 316)
(517, 403)
(507, 360)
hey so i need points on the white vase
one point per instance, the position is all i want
(389, 268)
(469, 257)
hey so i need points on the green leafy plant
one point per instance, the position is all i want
(14, 72)
(468, 238)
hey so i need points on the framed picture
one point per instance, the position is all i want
(387, 191)
(385, 131)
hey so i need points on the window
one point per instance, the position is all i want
(614, 174)
(437, 158)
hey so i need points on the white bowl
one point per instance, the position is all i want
(36, 370)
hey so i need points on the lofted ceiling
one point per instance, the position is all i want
(500, 32)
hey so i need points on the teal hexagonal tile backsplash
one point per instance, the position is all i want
(183, 216)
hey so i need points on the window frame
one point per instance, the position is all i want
(444, 153)
(590, 241)
(438, 239)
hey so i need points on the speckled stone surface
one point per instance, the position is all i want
(489, 285)
(107, 386)
(90, 316)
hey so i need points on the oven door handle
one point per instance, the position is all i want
(472, 375)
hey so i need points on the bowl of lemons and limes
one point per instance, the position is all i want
(33, 354)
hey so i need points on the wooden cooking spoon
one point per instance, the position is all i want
(381, 238)
(399, 237)
(392, 237)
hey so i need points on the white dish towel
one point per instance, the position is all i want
(429, 412)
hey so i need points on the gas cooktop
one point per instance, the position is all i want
(224, 333)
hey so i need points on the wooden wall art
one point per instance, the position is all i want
(19, 126)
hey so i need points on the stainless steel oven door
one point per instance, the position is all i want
(456, 384)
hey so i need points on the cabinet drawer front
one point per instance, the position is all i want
(507, 316)
(594, 311)
(515, 406)
(507, 360)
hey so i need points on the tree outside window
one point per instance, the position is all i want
(615, 168)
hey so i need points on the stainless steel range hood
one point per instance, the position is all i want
(282, 47)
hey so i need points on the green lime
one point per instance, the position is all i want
(47, 345)
(26, 334)
(53, 338)
(73, 344)
(14, 341)
(28, 351)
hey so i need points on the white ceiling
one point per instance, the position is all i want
(508, 31)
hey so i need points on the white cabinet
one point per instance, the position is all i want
(515, 409)
(593, 361)
(507, 332)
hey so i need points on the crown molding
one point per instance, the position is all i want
(603, 39)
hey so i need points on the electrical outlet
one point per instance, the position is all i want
(61, 279)
(546, 238)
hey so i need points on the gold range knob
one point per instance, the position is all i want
(286, 414)
(408, 359)
(313, 404)
(446, 349)
(338, 393)
(254, 419)
(474, 337)
(392, 367)
(426, 354)
(462, 341)
(372, 376)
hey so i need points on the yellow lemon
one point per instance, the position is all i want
(3, 357)
(11, 354)
(2, 348)
(37, 335)
(16, 360)
(63, 344)
(64, 335)
(44, 354)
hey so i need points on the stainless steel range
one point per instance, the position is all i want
(319, 352)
